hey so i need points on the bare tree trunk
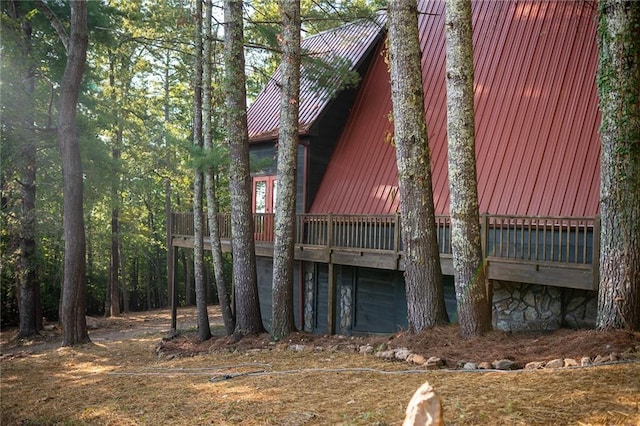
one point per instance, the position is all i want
(74, 325)
(204, 330)
(123, 277)
(282, 319)
(210, 183)
(618, 83)
(245, 282)
(114, 276)
(114, 264)
(469, 267)
(153, 302)
(167, 182)
(27, 276)
(423, 275)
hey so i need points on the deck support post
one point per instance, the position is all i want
(484, 243)
(331, 301)
(173, 291)
(595, 261)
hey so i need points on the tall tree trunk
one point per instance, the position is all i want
(149, 279)
(618, 90)
(148, 292)
(469, 268)
(167, 181)
(27, 277)
(245, 282)
(204, 330)
(423, 275)
(123, 277)
(114, 264)
(210, 183)
(74, 298)
(282, 319)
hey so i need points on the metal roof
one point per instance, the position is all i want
(346, 45)
(537, 142)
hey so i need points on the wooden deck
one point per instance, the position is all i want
(558, 251)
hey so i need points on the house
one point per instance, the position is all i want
(537, 150)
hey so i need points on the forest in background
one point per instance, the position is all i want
(135, 118)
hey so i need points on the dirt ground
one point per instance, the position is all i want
(132, 373)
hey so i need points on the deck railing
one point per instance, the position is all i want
(539, 239)
(568, 240)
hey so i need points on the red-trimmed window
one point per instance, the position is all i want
(264, 199)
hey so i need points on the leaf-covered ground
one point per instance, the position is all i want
(130, 375)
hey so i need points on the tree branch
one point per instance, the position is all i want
(55, 23)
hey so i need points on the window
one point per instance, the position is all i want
(264, 194)
(264, 199)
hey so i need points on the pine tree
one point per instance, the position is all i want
(282, 322)
(423, 274)
(618, 83)
(469, 269)
(245, 280)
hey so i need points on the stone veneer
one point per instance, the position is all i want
(308, 297)
(346, 303)
(532, 307)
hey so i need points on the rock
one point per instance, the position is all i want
(570, 362)
(485, 365)
(424, 408)
(534, 365)
(600, 359)
(350, 348)
(416, 359)
(388, 354)
(365, 349)
(628, 355)
(402, 354)
(434, 363)
(296, 348)
(585, 361)
(470, 366)
(555, 363)
(504, 364)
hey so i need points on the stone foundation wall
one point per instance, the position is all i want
(346, 304)
(308, 296)
(532, 307)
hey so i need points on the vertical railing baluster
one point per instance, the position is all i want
(529, 240)
(584, 243)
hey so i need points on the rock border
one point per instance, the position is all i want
(434, 363)
(437, 363)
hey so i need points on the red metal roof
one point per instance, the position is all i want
(537, 142)
(350, 42)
